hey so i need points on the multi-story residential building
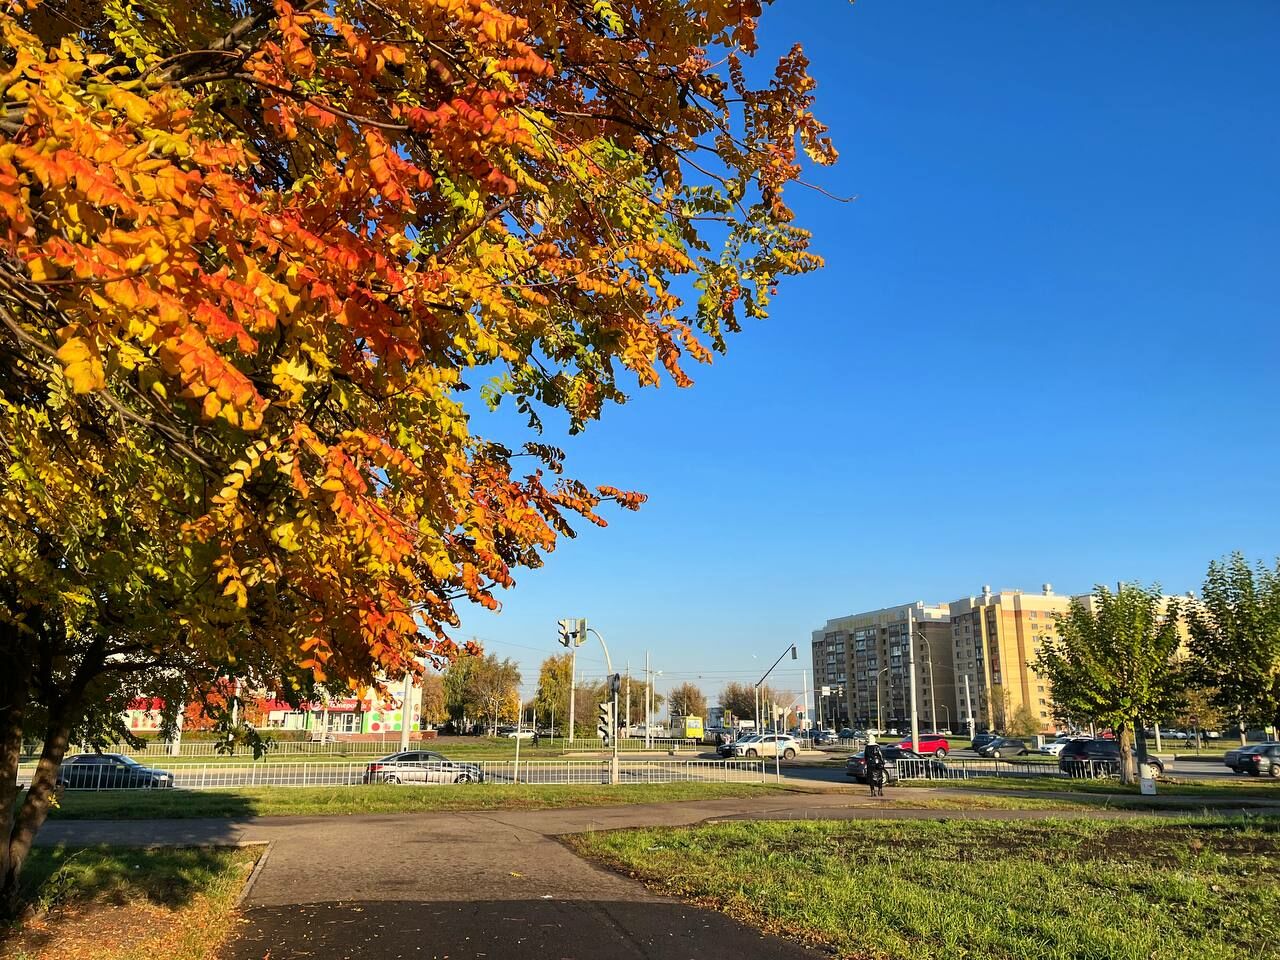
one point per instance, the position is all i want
(995, 639)
(864, 659)
(974, 658)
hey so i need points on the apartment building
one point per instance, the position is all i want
(864, 660)
(996, 638)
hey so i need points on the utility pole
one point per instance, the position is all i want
(628, 720)
(911, 668)
(968, 707)
(804, 682)
(406, 710)
(648, 701)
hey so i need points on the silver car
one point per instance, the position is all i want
(767, 745)
(421, 766)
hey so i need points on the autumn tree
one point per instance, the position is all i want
(740, 700)
(476, 685)
(1110, 662)
(432, 709)
(254, 258)
(687, 699)
(1235, 641)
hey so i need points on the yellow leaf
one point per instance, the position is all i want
(82, 365)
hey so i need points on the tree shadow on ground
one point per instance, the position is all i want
(510, 929)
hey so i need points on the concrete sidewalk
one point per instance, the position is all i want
(487, 883)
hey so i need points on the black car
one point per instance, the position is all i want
(1262, 760)
(1241, 759)
(856, 765)
(1083, 758)
(982, 739)
(110, 771)
(822, 738)
(998, 747)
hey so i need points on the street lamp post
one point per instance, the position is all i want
(933, 691)
(879, 712)
(791, 649)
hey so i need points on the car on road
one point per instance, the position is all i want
(823, 738)
(1085, 757)
(513, 733)
(110, 771)
(1263, 761)
(1055, 747)
(929, 743)
(726, 749)
(982, 739)
(1003, 747)
(767, 745)
(847, 733)
(421, 766)
(856, 765)
(1241, 759)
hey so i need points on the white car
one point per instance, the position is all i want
(767, 745)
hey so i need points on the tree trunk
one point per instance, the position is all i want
(15, 692)
(35, 808)
(1128, 768)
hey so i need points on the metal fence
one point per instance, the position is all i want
(929, 769)
(368, 748)
(202, 776)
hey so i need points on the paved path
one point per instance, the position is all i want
(484, 884)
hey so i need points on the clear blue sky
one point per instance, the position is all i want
(1044, 347)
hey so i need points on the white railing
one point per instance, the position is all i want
(203, 776)
(930, 769)
(629, 744)
(207, 748)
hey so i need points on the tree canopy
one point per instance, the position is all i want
(1110, 662)
(255, 258)
(687, 699)
(1235, 640)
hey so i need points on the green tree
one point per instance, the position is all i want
(551, 703)
(1110, 663)
(481, 686)
(1023, 723)
(1235, 640)
(686, 700)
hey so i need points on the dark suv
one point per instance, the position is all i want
(1086, 758)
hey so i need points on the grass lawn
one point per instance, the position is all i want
(1107, 890)
(382, 798)
(1253, 788)
(111, 903)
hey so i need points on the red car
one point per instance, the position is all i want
(929, 743)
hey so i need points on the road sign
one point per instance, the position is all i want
(604, 724)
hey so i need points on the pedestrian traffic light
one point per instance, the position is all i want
(604, 725)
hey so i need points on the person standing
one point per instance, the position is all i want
(875, 769)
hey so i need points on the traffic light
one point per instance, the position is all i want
(573, 633)
(615, 683)
(604, 724)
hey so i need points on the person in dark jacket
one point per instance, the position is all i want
(875, 769)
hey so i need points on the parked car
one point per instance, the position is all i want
(421, 766)
(1003, 747)
(821, 738)
(767, 745)
(930, 743)
(110, 771)
(515, 733)
(856, 765)
(847, 733)
(1241, 759)
(1085, 757)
